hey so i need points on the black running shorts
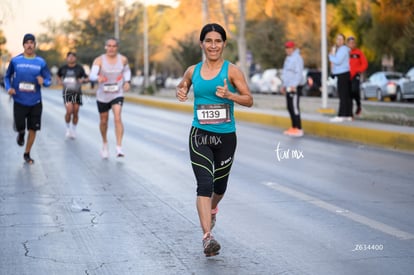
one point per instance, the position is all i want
(72, 97)
(211, 158)
(105, 107)
(27, 117)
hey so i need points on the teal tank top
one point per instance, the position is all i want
(210, 106)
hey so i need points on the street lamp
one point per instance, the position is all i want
(324, 56)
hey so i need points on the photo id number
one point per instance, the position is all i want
(368, 247)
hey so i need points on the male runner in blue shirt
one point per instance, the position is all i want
(24, 77)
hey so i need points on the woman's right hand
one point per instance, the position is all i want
(182, 91)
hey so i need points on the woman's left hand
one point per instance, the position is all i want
(223, 91)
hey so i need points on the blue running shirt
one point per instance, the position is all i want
(22, 76)
(205, 94)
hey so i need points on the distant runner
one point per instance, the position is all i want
(71, 76)
(113, 74)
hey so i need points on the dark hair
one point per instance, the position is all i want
(213, 27)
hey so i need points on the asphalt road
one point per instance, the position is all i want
(294, 206)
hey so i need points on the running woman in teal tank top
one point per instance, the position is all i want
(217, 85)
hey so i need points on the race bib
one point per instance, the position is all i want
(69, 80)
(213, 113)
(111, 88)
(27, 87)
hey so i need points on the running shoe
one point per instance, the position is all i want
(337, 119)
(211, 246)
(73, 133)
(119, 152)
(213, 217)
(104, 152)
(288, 131)
(27, 158)
(296, 132)
(68, 133)
(20, 139)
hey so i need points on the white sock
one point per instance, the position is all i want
(67, 125)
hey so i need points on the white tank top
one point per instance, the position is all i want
(112, 87)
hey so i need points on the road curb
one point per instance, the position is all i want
(348, 132)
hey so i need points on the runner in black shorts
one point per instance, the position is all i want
(25, 76)
(71, 76)
(218, 84)
(211, 156)
(113, 74)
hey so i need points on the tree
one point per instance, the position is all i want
(265, 42)
(188, 51)
(381, 27)
(390, 21)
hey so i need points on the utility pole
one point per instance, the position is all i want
(146, 51)
(205, 16)
(116, 27)
(324, 57)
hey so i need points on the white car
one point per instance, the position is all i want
(266, 82)
(172, 82)
(380, 85)
(405, 88)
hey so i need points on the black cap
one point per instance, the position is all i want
(27, 37)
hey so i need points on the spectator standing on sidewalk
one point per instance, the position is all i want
(25, 75)
(339, 58)
(292, 75)
(358, 64)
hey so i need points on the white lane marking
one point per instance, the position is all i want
(343, 212)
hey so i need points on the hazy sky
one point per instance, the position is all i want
(24, 16)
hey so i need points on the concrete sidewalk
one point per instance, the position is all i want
(316, 124)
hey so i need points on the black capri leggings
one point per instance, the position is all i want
(211, 157)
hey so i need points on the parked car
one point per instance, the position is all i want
(405, 88)
(137, 81)
(266, 82)
(381, 85)
(172, 82)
